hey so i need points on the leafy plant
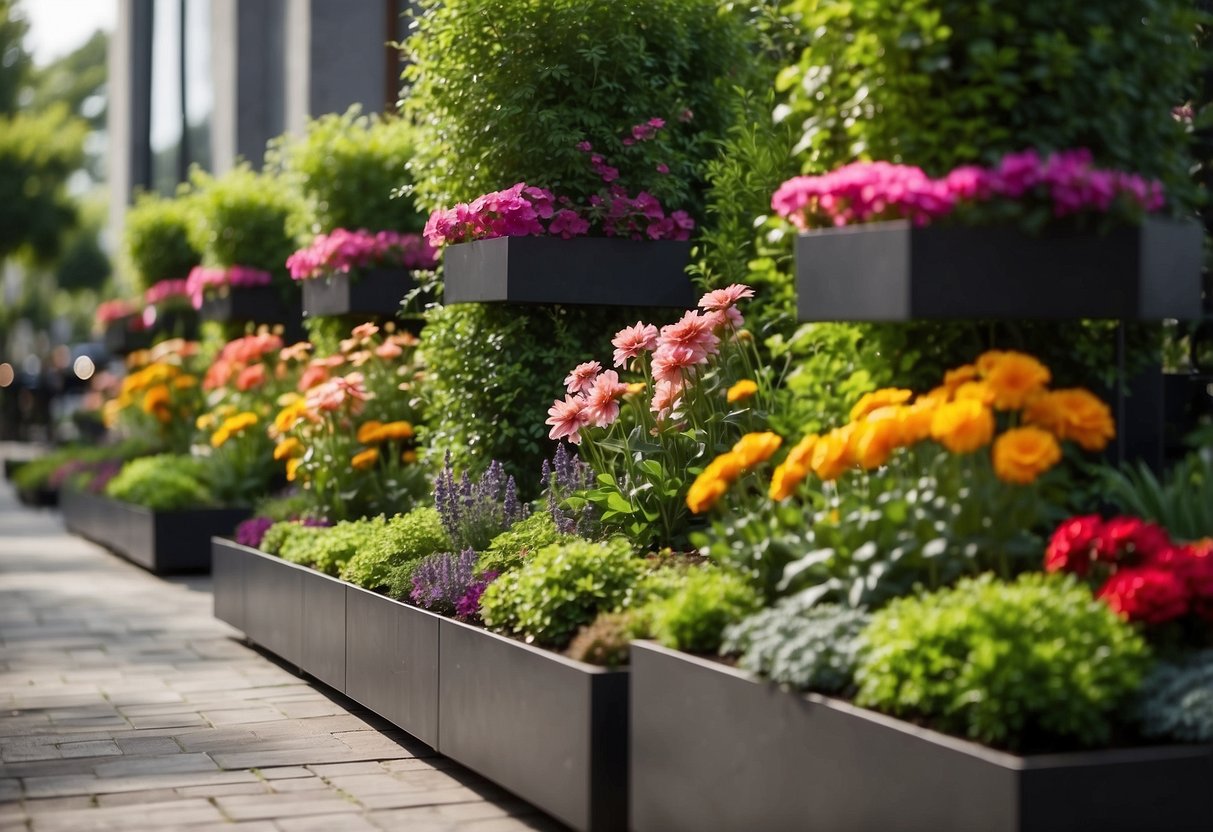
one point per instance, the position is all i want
(404, 539)
(1182, 502)
(1019, 665)
(607, 639)
(242, 220)
(694, 617)
(800, 643)
(163, 482)
(156, 232)
(337, 545)
(563, 587)
(1176, 699)
(512, 547)
(290, 536)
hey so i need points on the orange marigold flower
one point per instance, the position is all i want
(963, 427)
(1023, 454)
(156, 398)
(742, 390)
(754, 448)
(1073, 414)
(727, 467)
(916, 420)
(978, 391)
(954, 378)
(785, 479)
(875, 438)
(802, 452)
(705, 492)
(879, 398)
(185, 382)
(292, 468)
(364, 459)
(832, 453)
(369, 432)
(1016, 377)
(986, 361)
(409, 457)
(288, 447)
(396, 431)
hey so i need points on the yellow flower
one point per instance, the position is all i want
(288, 447)
(219, 438)
(289, 416)
(954, 378)
(368, 432)
(986, 361)
(964, 426)
(396, 431)
(1015, 377)
(978, 391)
(364, 459)
(205, 422)
(110, 411)
(156, 399)
(832, 453)
(742, 390)
(705, 492)
(879, 398)
(757, 447)
(185, 382)
(876, 437)
(802, 452)
(232, 426)
(916, 420)
(636, 388)
(1074, 414)
(1023, 454)
(727, 467)
(292, 468)
(785, 479)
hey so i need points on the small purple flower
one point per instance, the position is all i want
(442, 580)
(467, 607)
(252, 531)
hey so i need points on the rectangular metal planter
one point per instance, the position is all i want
(43, 497)
(121, 339)
(893, 271)
(372, 292)
(161, 541)
(551, 730)
(713, 748)
(254, 304)
(597, 271)
(294, 612)
(391, 654)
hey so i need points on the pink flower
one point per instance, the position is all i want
(389, 349)
(568, 224)
(602, 401)
(364, 331)
(332, 394)
(693, 332)
(665, 398)
(633, 341)
(671, 364)
(584, 147)
(582, 377)
(567, 418)
(726, 297)
(662, 167)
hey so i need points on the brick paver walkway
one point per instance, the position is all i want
(125, 705)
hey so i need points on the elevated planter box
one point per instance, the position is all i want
(713, 748)
(120, 339)
(43, 497)
(161, 541)
(592, 271)
(253, 305)
(12, 466)
(372, 292)
(549, 729)
(892, 271)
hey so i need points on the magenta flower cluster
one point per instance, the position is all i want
(678, 352)
(166, 290)
(341, 251)
(203, 278)
(871, 191)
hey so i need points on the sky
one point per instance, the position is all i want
(59, 26)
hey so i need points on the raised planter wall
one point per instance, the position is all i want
(373, 292)
(713, 748)
(255, 305)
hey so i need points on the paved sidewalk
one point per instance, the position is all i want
(125, 705)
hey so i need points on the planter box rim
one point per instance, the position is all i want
(1046, 231)
(1005, 759)
(552, 655)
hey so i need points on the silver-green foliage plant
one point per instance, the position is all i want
(696, 614)
(1034, 663)
(1176, 701)
(403, 540)
(563, 587)
(801, 644)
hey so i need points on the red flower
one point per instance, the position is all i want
(1073, 545)
(1193, 563)
(1146, 594)
(1131, 540)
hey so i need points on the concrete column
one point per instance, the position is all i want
(249, 71)
(130, 110)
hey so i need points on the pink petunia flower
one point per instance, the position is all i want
(633, 341)
(567, 418)
(602, 401)
(582, 377)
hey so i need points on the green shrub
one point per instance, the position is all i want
(504, 92)
(277, 535)
(1181, 502)
(799, 643)
(301, 544)
(286, 507)
(242, 220)
(405, 538)
(344, 169)
(163, 482)
(694, 617)
(1176, 700)
(340, 543)
(1023, 664)
(510, 548)
(607, 639)
(156, 232)
(563, 587)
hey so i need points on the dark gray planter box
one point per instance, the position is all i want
(43, 497)
(892, 271)
(712, 748)
(12, 466)
(551, 730)
(391, 654)
(161, 541)
(597, 271)
(372, 292)
(120, 339)
(253, 304)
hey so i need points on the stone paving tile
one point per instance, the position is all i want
(125, 705)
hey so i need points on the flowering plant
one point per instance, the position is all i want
(698, 387)
(1137, 569)
(346, 433)
(1066, 182)
(341, 251)
(912, 489)
(160, 398)
(167, 291)
(204, 280)
(112, 311)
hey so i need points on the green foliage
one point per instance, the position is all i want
(405, 538)
(37, 473)
(345, 168)
(695, 616)
(1017, 665)
(492, 372)
(300, 544)
(504, 92)
(799, 643)
(84, 267)
(281, 535)
(606, 640)
(242, 219)
(563, 587)
(157, 238)
(38, 152)
(338, 544)
(1182, 503)
(163, 482)
(17, 62)
(285, 507)
(510, 548)
(938, 83)
(1176, 699)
